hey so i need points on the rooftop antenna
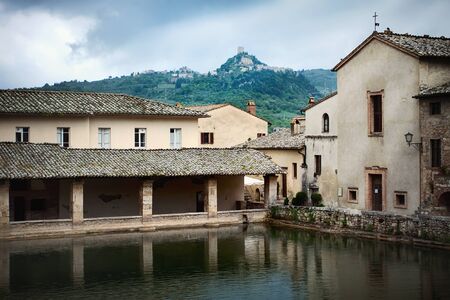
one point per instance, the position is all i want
(375, 21)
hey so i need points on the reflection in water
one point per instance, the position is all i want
(230, 262)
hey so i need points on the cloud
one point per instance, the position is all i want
(52, 41)
(42, 47)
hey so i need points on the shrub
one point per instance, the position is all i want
(286, 201)
(274, 212)
(300, 199)
(316, 199)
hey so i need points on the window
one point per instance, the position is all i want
(326, 123)
(62, 136)
(352, 195)
(376, 114)
(318, 164)
(22, 134)
(104, 138)
(435, 108)
(294, 168)
(139, 137)
(260, 134)
(400, 199)
(207, 137)
(175, 138)
(435, 152)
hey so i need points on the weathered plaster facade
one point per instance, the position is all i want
(231, 126)
(378, 67)
(84, 130)
(323, 143)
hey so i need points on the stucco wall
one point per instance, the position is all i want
(231, 126)
(434, 72)
(84, 130)
(324, 144)
(285, 158)
(379, 67)
(43, 129)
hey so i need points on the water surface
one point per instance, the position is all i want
(255, 262)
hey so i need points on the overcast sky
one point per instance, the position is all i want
(53, 40)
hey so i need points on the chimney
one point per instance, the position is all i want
(311, 100)
(251, 107)
(240, 50)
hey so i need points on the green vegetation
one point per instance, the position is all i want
(279, 95)
(286, 201)
(300, 199)
(316, 199)
(323, 80)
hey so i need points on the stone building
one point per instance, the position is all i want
(95, 120)
(228, 125)
(286, 149)
(434, 144)
(48, 190)
(375, 107)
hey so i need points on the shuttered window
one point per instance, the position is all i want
(435, 145)
(104, 138)
(207, 137)
(175, 138)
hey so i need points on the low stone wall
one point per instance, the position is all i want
(434, 228)
(55, 228)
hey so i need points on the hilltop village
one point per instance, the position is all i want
(379, 146)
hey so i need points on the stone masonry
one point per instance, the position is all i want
(435, 180)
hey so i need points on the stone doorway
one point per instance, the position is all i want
(376, 188)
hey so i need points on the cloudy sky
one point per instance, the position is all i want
(53, 40)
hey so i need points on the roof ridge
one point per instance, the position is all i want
(425, 36)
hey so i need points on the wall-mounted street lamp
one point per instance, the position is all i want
(408, 138)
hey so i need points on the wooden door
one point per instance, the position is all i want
(377, 192)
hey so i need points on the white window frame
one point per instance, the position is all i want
(60, 133)
(141, 141)
(104, 138)
(21, 130)
(175, 138)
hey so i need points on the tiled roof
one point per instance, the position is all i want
(280, 139)
(206, 108)
(81, 103)
(27, 160)
(329, 96)
(418, 46)
(439, 90)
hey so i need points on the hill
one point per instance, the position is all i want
(279, 92)
(323, 80)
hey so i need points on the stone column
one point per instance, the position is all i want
(212, 250)
(211, 197)
(76, 201)
(147, 254)
(270, 190)
(78, 262)
(146, 199)
(4, 203)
